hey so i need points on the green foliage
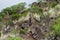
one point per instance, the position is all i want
(24, 31)
(57, 7)
(1, 15)
(14, 38)
(56, 27)
(41, 0)
(36, 9)
(14, 11)
(1, 25)
(10, 22)
(0, 33)
(52, 4)
(7, 10)
(18, 8)
(24, 14)
(15, 16)
(15, 31)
